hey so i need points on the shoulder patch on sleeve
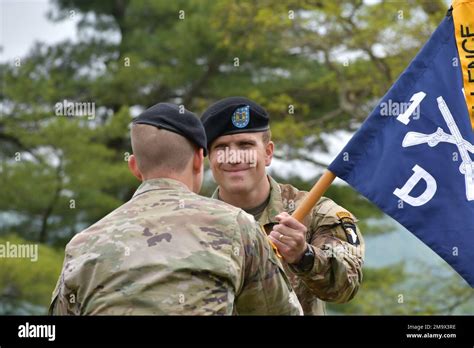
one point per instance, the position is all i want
(344, 214)
(351, 230)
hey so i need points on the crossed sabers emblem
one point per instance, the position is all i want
(464, 147)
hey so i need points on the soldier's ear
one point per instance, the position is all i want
(269, 147)
(198, 160)
(133, 166)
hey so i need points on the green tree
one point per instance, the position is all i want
(26, 285)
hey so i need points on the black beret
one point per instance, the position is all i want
(183, 122)
(233, 115)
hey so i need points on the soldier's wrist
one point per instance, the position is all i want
(305, 264)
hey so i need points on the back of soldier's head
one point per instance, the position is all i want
(165, 138)
(160, 150)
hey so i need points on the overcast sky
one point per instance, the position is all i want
(22, 22)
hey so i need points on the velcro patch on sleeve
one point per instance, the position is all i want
(351, 230)
(344, 214)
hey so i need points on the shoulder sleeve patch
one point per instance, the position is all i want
(351, 230)
(344, 214)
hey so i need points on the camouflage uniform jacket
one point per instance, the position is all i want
(170, 251)
(339, 250)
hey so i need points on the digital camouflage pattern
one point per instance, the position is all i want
(337, 244)
(170, 251)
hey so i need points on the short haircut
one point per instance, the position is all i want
(160, 150)
(267, 136)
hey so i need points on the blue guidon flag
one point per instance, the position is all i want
(413, 156)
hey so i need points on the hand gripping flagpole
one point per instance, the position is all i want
(309, 201)
(314, 195)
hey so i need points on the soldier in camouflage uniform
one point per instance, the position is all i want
(323, 256)
(169, 250)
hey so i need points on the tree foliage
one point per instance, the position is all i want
(26, 286)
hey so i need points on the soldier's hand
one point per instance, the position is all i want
(289, 236)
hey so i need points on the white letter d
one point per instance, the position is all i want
(425, 197)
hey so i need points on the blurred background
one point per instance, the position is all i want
(318, 67)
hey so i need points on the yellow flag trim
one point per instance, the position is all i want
(463, 15)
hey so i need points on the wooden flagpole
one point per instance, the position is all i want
(314, 195)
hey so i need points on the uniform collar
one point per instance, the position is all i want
(160, 184)
(275, 204)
